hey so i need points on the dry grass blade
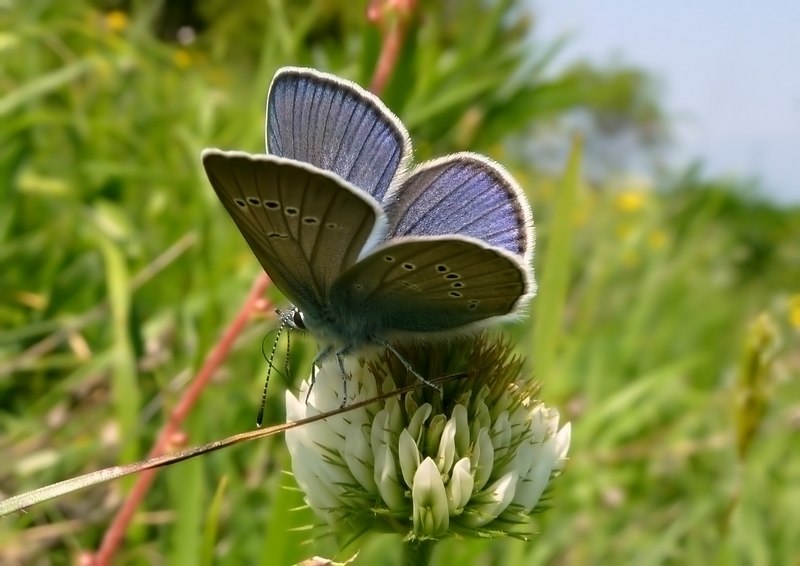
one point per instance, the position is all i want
(24, 500)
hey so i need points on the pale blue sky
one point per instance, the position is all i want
(729, 70)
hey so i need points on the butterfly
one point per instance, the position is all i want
(369, 249)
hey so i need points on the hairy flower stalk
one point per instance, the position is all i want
(471, 461)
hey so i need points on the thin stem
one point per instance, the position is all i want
(171, 430)
(393, 16)
(418, 552)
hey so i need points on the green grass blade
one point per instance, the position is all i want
(43, 85)
(125, 389)
(554, 270)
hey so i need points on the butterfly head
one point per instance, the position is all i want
(292, 318)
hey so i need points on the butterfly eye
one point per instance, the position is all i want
(297, 319)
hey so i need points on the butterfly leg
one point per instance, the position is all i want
(345, 376)
(408, 367)
(318, 359)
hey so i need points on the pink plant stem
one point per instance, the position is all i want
(393, 17)
(116, 531)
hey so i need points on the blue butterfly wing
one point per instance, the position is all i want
(465, 194)
(338, 126)
(434, 284)
(305, 225)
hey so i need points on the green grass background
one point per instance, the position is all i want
(666, 328)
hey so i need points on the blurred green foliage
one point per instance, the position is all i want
(103, 114)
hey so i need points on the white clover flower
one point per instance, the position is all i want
(474, 460)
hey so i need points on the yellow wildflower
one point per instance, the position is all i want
(182, 58)
(117, 21)
(630, 201)
(794, 310)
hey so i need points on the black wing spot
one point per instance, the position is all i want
(240, 203)
(388, 259)
(272, 204)
(331, 225)
(452, 276)
(254, 201)
(455, 294)
(442, 268)
(472, 306)
(457, 285)
(291, 211)
(409, 266)
(310, 220)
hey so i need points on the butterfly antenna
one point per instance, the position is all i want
(260, 416)
(288, 350)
